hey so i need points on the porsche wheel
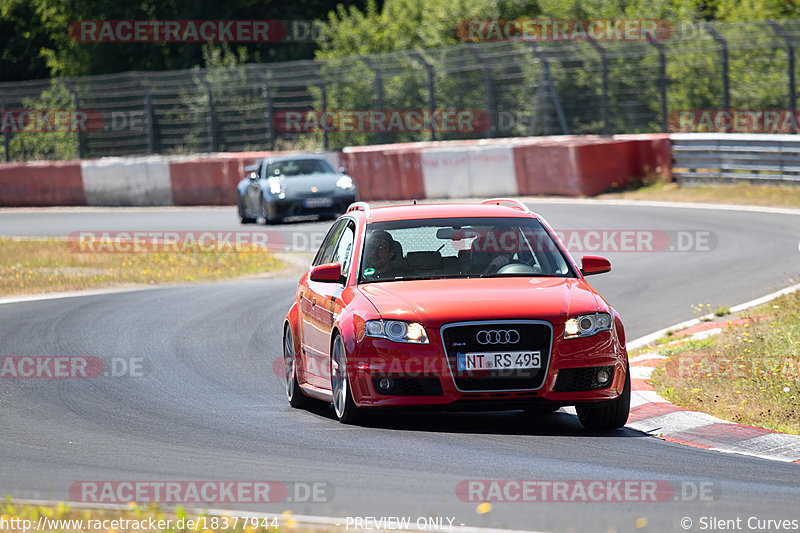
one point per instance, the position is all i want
(243, 218)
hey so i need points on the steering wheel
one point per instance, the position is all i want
(517, 267)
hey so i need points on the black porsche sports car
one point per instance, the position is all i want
(285, 186)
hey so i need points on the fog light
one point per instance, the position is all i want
(603, 377)
(385, 384)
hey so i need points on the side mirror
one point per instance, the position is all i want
(253, 176)
(594, 264)
(327, 273)
(342, 170)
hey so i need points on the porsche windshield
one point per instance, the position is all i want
(460, 248)
(298, 167)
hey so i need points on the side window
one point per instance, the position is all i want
(344, 252)
(328, 248)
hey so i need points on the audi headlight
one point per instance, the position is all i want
(397, 330)
(345, 182)
(587, 325)
(275, 185)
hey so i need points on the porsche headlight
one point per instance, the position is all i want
(398, 331)
(345, 182)
(275, 185)
(587, 325)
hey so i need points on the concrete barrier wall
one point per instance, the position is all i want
(41, 183)
(127, 181)
(561, 165)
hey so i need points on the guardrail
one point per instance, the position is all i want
(712, 157)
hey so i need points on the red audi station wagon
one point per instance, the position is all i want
(460, 306)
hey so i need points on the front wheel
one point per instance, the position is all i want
(243, 218)
(343, 405)
(294, 394)
(610, 416)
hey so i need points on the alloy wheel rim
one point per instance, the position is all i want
(288, 364)
(339, 380)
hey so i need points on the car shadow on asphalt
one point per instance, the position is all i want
(558, 424)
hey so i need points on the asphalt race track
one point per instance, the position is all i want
(208, 404)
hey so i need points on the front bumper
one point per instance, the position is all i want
(282, 208)
(422, 375)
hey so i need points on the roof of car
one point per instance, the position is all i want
(454, 210)
(295, 157)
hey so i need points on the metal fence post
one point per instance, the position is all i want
(431, 94)
(6, 134)
(213, 142)
(662, 79)
(322, 87)
(790, 55)
(78, 132)
(378, 89)
(488, 92)
(270, 115)
(148, 112)
(723, 51)
(548, 78)
(604, 96)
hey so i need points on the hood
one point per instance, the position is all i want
(435, 302)
(301, 185)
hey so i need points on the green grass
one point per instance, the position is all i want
(742, 193)
(749, 374)
(29, 266)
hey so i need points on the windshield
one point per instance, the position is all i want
(298, 167)
(460, 248)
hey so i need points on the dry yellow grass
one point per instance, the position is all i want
(29, 266)
(61, 518)
(748, 374)
(742, 193)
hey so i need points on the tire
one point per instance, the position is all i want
(610, 416)
(343, 405)
(294, 393)
(267, 220)
(243, 218)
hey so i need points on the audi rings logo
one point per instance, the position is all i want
(497, 336)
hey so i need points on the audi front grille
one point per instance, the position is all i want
(523, 340)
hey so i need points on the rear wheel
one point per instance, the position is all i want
(294, 394)
(343, 405)
(610, 416)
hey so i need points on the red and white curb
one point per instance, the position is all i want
(654, 415)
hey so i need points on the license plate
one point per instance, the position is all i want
(499, 360)
(318, 202)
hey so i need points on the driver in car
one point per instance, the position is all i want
(492, 251)
(381, 257)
